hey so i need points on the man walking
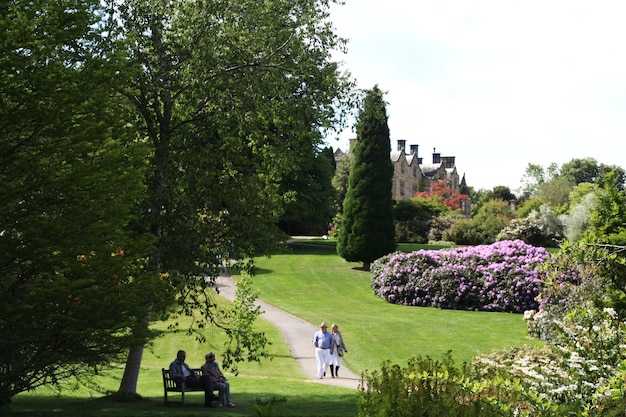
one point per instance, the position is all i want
(324, 348)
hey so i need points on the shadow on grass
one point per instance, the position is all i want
(306, 248)
(316, 404)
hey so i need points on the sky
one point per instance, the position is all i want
(498, 84)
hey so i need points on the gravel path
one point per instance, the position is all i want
(298, 334)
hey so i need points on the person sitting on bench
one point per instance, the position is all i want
(212, 370)
(181, 373)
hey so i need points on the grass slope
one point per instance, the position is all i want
(313, 283)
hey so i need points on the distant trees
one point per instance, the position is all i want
(552, 206)
(557, 201)
(367, 229)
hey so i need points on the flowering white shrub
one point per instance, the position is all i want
(525, 228)
(574, 367)
(540, 227)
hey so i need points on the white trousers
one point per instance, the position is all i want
(335, 359)
(322, 358)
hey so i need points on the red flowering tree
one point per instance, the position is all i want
(441, 192)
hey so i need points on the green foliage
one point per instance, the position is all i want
(580, 170)
(580, 191)
(367, 230)
(528, 206)
(492, 217)
(533, 176)
(243, 339)
(267, 407)
(503, 193)
(576, 222)
(231, 97)
(588, 170)
(413, 217)
(172, 120)
(312, 201)
(605, 240)
(608, 218)
(464, 232)
(482, 196)
(440, 224)
(556, 192)
(71, 174)
(341, 178)
(425, 387)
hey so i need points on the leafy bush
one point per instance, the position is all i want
(577, 221)
(465, 232)
(412, 218)
(438, 225)
(503, 276)
(490, 219)
(268, 406)
(424, 388)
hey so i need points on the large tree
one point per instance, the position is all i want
(581, 170)
(70, 181)
(367, 229)
(226, 93)
(312, 201)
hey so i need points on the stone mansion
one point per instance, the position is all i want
(412, 174)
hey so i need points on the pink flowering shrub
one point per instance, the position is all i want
(504, 276)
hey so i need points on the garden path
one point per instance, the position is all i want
(297, 333)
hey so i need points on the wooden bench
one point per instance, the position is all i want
(170, 385)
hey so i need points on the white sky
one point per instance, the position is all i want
(496, 83)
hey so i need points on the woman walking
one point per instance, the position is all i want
(340, 348)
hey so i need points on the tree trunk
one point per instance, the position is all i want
(128, 385)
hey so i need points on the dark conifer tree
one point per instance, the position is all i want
(367, 229)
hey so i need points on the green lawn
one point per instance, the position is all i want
(312, 282)
(278, 375)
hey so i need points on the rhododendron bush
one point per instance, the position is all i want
(504, 276)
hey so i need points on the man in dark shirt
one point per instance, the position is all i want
(183, 375)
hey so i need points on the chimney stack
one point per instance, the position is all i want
(401, 144)
(436, 157)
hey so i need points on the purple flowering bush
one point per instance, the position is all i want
(504, 276)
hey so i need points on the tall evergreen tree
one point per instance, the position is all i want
(367, 229)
